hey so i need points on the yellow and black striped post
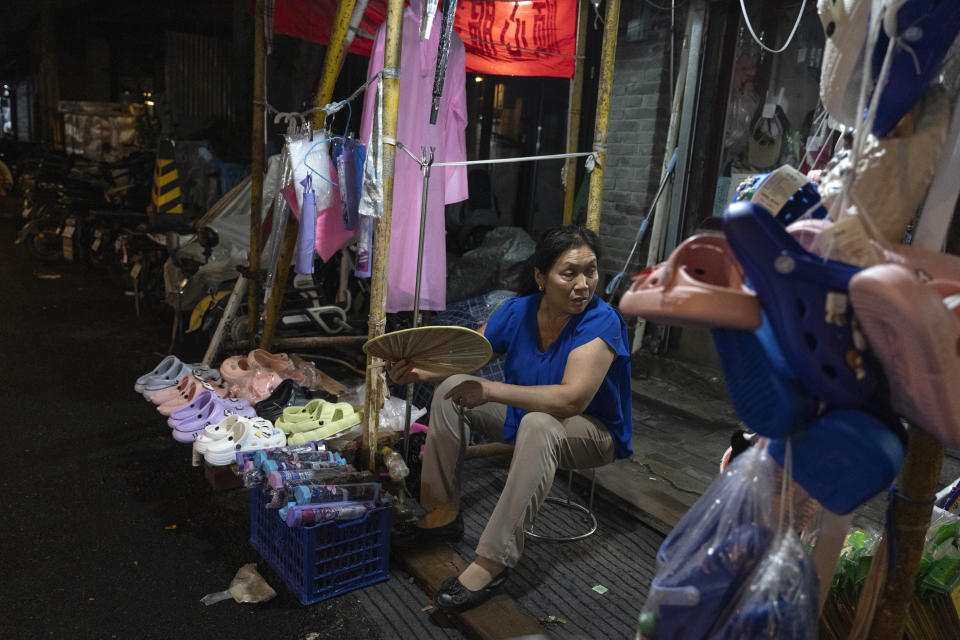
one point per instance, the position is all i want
(166, 182)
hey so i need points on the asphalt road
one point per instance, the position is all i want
(106, 531)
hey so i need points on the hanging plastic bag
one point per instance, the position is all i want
(349, 156)
(712, 551)
(306, 235)
(780, 600)
(364, 248)
(310, 155)
(278, 226)
(371, 201)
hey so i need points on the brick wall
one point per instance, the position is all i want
(637, 129)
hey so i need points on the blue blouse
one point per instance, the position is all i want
(512, 331)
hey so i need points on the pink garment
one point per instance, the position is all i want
(447, 184)
(331, 234)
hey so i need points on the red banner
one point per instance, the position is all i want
(526, 38)
(522, 38)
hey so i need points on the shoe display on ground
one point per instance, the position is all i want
(287, 394)
(240, 435)
(334, 419)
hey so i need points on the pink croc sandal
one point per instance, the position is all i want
(262, 358)
(933, 265)
(191, 387)
(235, 368)
(256, 387)
(916, 337)
(701, 285)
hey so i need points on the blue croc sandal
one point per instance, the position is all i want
(924, 31)
(686, 603)
(764, 392)
(795, 288)
(845, 458)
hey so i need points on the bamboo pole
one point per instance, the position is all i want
(573, 115)
(381, 237)
(258, 162)
(607, 59)
(228, 314)
(911, 519)
(336, 52)
(333, 60)
(287, 250)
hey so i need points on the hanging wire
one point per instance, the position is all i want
(307, 156)
(663, 8)
(793, 32)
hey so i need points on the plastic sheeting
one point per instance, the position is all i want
(233, 227)
(508, 248)
(102, 131)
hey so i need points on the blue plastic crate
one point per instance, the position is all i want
(323, 560)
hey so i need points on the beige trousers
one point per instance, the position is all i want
(544, 444)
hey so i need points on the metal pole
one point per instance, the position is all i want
(660, 219)
(573, 113)
(427, 163)
(258, 162)
(333, 60)
(607, 58)
(688, 118)
(381, 237)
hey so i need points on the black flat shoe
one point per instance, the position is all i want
(452, 532)
(287, 394)
(453, 596)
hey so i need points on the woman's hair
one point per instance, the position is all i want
(554, 243)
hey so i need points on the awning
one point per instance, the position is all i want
(522, 38)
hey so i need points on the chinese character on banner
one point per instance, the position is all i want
(536, 38)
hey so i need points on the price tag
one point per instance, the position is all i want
(778, 188)
(769, 110)
(135, 270)
(68, 231)
(96, 245)
(836, 308)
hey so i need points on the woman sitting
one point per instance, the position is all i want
(566, 404)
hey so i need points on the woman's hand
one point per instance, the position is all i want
(403, 372)
(470, 393)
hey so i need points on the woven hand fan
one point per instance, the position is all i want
(442, 350)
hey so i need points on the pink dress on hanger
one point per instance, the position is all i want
(447, 184)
